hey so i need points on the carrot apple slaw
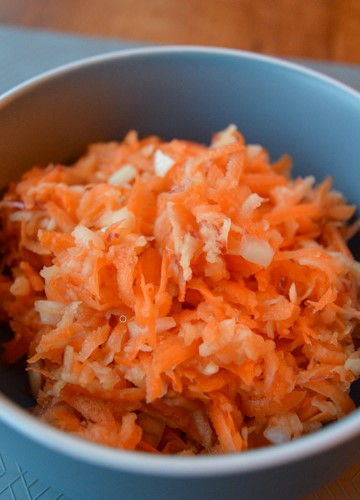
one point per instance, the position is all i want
(178, 298)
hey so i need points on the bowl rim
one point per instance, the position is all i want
(297, 67)
(312, 444)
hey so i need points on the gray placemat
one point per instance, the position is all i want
(27, 53)
(17, 484)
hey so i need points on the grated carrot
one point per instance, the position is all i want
(182, 299)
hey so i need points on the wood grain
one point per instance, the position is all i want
(318, 29)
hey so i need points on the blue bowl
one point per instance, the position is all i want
(188, 93)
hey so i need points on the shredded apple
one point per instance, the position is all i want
(176, 298)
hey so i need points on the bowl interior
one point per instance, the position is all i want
(188, 94)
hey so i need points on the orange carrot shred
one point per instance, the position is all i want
(177, 298)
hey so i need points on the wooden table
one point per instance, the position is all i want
(318, 29)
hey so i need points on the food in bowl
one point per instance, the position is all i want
(176, 298)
